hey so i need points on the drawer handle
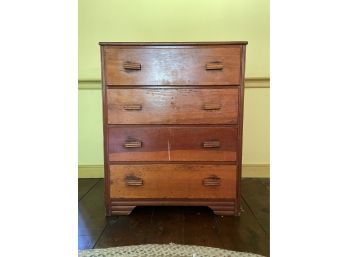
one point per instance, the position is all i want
(133, 107)
(133, 144)
(214, 66)
(212, 106)
(133, 181)
(211, 144)
(212, 181)
(131, 66)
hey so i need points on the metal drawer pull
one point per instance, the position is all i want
(133, 181)
(212, 106)
(211, 144)
(214, 66)
(133, 144)
(212, 181)
(133, 107)
(131, 66)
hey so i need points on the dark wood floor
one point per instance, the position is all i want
(181, 225)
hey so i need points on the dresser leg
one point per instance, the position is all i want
(121, 210)
(224, 210)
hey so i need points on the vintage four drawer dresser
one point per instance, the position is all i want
(173, 121)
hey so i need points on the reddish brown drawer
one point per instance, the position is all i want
(203, 144)
(173, 181)
(168, 65)
(173, 106)
(138, 144)
(172, 143)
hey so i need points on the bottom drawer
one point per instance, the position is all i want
(173, 181)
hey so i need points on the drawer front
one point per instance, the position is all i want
(173, 181)
(173, 106)
(172, 66)
(172, 143)
(138, 144)
(203, 144)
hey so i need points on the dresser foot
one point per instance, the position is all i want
(121, 210)
(224, 210)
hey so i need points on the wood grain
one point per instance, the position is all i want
(175, 44)
(170, 111)
(200, 228)
(172, 143)
(127, 230)
(173, 106)
(85, 185)
(181, 225)
(187, 144)
(167, 225)
(243, 233)
(172, 66)
(91, 216)
(154, 143)
(256, 194)
(240, 124)
(173, 181)
(105, 136)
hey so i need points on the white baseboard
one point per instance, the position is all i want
(248, 171)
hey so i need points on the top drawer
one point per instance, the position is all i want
(166, 65)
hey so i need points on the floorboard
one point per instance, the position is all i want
(85, 185)
(242, 233)
(265, 182)
(87, 242)
(256, 196)
(167, 225)
(200, 228)
(91, 216)
(181, 225)
(127, 230)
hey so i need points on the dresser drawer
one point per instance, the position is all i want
(172, 143)
(163, 65)
(172, 106)
(203, 144)
(138, 144)
(173, 181)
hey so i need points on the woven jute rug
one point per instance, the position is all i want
(163, 250)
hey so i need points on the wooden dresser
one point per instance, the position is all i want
(173, 122)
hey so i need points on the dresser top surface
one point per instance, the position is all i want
(172, 43)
